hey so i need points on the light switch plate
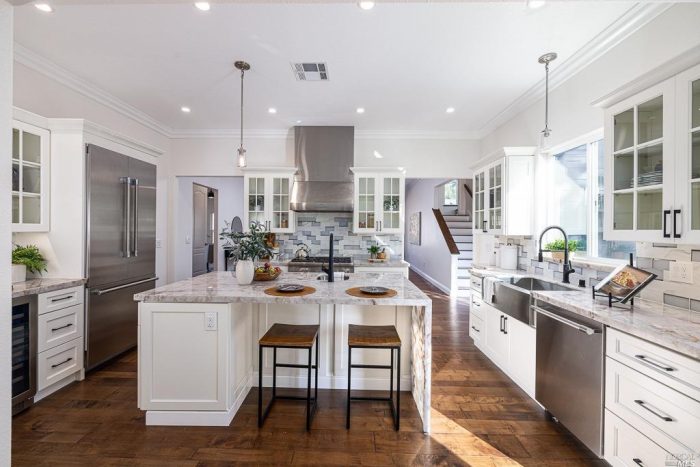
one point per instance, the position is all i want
(158, 243)
(210, 321)
(681, 271)
(188, 239)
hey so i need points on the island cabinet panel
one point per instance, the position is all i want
(372, 316)
(184, 356)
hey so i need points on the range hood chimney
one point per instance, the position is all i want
(323, 156)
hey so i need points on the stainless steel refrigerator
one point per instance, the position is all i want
(121, 245)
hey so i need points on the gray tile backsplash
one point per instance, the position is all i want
(314, 229)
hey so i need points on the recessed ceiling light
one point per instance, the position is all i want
(185, 109)
(400, 168)
(366, 5)
(360, 110)
(204, 6)
(378, 155)
(298, 121)
(45, 7)
(450, 110)
(272, 110)
(535, 4)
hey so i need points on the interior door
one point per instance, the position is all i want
(107, 188)
(200, 232)
(142, 263)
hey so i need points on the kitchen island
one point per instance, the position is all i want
(198, 342)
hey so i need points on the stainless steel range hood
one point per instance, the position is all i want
(323, 157)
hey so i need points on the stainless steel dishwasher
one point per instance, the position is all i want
(569, 381)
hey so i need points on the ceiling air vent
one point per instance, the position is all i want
(310, 71)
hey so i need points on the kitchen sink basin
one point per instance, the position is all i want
(513, 297)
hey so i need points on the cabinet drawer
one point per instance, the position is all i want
(58, 299)
(60, 326)
(626, 447)
(477, 307)
(650, 406)
(476, 327)
(672, 369)
(55, 364)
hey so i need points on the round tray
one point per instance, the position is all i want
(356, 292)
(275, 293)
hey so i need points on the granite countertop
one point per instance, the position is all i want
(37, 286)
(221, 287)
(391, 263)
(493, 271)
(667, 326)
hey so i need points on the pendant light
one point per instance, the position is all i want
(546, 59)
(243, 66)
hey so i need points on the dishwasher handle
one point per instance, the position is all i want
(580, 327)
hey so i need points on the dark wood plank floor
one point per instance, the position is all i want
(480, 418)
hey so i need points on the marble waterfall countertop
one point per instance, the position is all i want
(221, 287)
(670, 327)
(37, 286)
(390, 263)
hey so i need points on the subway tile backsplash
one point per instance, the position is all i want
(314, 229)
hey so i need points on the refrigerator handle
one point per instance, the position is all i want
(136, 217)
(127, 217)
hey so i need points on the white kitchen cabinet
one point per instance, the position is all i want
(509, 343)
(30, 178)
(652, 192)
(267, 199)
(379, 201)
(504, 193)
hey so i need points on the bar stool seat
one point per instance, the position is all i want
(288, 336)
(376, 337)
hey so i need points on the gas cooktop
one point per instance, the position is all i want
(323, 259)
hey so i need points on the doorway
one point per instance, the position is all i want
(205, 202)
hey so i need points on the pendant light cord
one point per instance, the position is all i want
(242, 76)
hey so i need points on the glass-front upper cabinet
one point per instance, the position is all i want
(686, 210)
(267, 199)
(639, 136)
(479, 195)
(495, 197)
(379, 201)
(30, 178)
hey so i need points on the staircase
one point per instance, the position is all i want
(461, 229)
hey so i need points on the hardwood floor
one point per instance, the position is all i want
(480, 418)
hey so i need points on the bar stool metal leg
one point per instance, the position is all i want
(398, 387)
(274, 372)
(308, 394)
(260, 385)
(347, 412)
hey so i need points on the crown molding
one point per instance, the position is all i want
(359, 134)
(46, 67)
(630, 22)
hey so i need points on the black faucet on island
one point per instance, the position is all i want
(329, 270)
(567, 264)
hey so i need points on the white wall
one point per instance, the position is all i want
(571, 113)
(44, 96)
(230, 205)
(5, 228)
(431, 258)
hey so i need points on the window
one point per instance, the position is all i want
(450, 193)
(576, 199)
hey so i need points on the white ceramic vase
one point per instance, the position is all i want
(245, 271)
(19, 273)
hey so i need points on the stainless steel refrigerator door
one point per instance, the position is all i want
(142, 263)
(112, 321)
(107, 193)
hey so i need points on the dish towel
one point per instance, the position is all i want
(488, 288)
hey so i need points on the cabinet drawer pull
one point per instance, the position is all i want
(62, 363)
(667, 213)
(67, 297)
(638, 462)
(477, 304)
(651, 362)
(675, 223)
(500, 326)
(505, 325)
(475, 329)
(643, 405)
(61, 327)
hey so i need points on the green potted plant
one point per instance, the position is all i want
(26, 258)
(374, 250)
(556, 249)
(248, 247)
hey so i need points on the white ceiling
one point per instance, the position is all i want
(405, 63)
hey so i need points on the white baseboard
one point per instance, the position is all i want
(436, 283)
(79, 376)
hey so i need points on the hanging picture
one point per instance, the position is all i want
(414, 229)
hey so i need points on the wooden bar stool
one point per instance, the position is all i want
(288, 336)
(376, 337)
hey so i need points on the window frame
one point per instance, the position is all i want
(456, 182)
